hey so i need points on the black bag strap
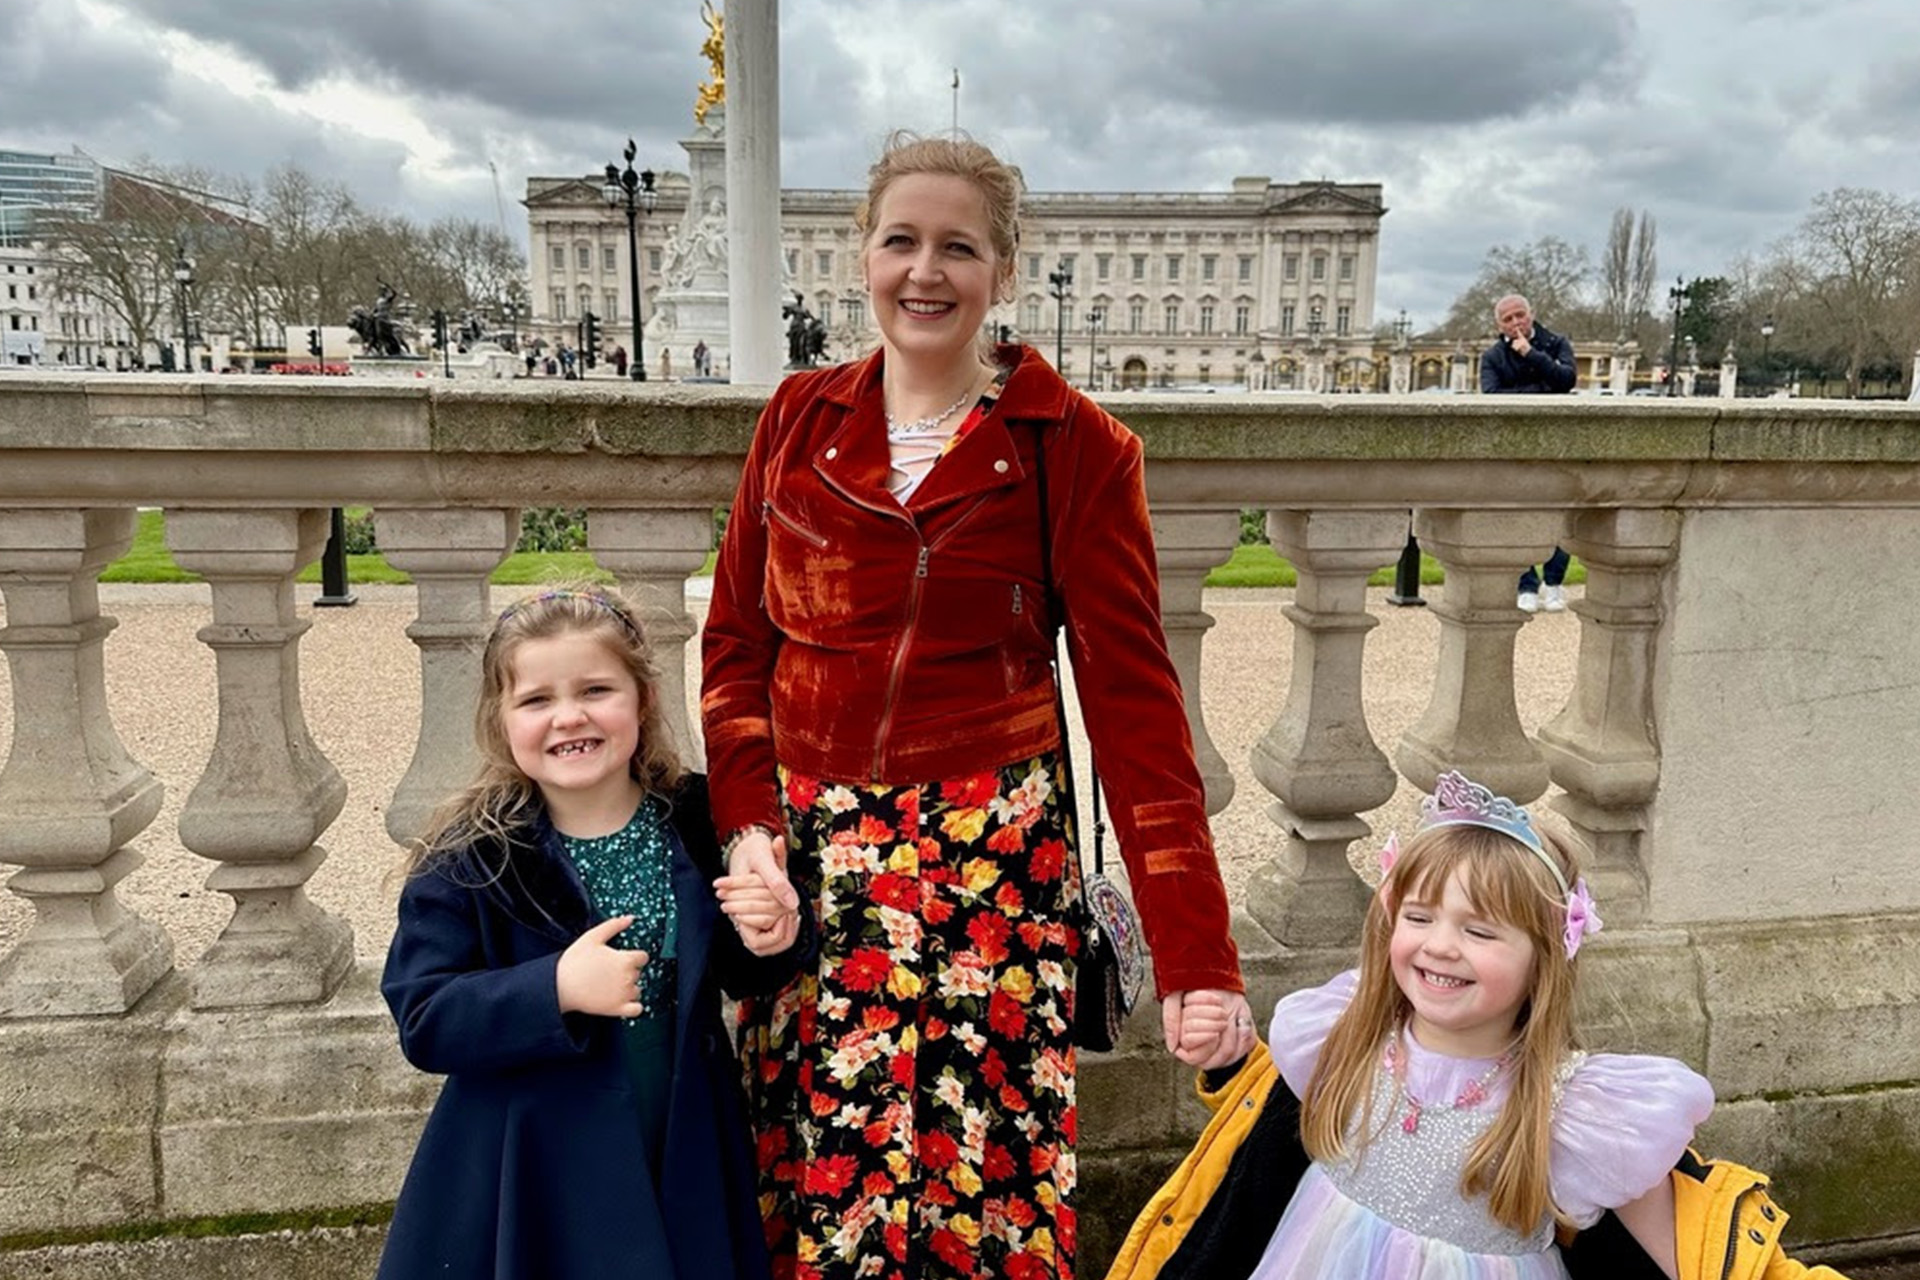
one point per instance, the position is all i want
(1056, 624)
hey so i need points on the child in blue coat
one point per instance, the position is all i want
(559, 958)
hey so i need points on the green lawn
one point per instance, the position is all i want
(1251, 566)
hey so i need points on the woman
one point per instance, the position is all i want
(877, 690)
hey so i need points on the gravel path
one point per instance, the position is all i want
(360, 679)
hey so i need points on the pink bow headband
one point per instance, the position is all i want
(1457, 801)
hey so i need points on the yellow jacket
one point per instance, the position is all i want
(1213, 1216)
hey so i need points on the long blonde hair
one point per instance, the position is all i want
(502, 802)
(1507, 882)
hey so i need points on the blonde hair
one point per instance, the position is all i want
(958, 156)
(1506, 881)
(502, 802)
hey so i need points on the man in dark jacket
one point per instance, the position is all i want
(1530, 359)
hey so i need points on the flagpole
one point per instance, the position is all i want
(956, 102)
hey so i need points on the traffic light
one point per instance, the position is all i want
(589, 338)
(313, 342)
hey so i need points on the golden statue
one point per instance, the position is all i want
(714, 91)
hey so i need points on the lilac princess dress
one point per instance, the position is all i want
(1619, 1123)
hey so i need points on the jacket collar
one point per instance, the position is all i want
(853, 456)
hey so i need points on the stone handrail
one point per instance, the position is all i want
(1730, 754)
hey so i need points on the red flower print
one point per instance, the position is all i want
(1049, 860)
(1008, 899)
(1025, 1266)
(831, 1175)
(896, 1238)
(772, 1145)
(877, 1134)
(936, 1150)
(937, 910)
(1019, 1212)
(908, 807)
(1007, 840)
(1041, 1159)
(875, 831)
(865, 970)
(901, 1070)
(876, 1184)
(938, 1193)
(972, 792)
(879, 1018)
(952, 1250)
(1005, 1015)
(993, 1068)
(825, 1104)
(1070, 1125)
(990, 934)
(802, 791)
(1012, 1099)
(891, 889)
(1031, 934)
(1067, 1223)
(998, 1164)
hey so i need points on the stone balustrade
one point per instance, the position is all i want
(1733, 750)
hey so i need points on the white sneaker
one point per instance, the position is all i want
(1553, 599)
(1529, 602)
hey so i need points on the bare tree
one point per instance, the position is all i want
(1550, 273)
(1627, 272)
(1853, 259)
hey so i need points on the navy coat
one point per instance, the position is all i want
(531, 1163)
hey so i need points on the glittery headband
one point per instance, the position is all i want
(620, 614)
(1457, 801)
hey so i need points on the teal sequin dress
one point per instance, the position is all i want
(631, 873)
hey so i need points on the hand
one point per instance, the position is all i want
(766, 925)
(1207, 1029)
(759, 854)
(594, 977)
(1521, 347)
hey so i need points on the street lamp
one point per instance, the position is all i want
(1766, 355)
(1678, 297)
(183, 281)
(1060, 280)
(635, 192)
(513, 325)
(1401, 329)
(1094, 316)
(1314, 325)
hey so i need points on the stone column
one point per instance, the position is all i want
(1400, 372)
(450, 555)
(1319, 758)
(1472, 724)
(1457, 373)
(70, 797)
(1189, 545)
(1729, 374)
(1625, 355)
(1601, 748)
(754, 265)
(267, 792)
(1316, 375)
(652, 553)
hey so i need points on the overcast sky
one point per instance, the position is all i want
(1722, 117)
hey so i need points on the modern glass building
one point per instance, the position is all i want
(34, 185)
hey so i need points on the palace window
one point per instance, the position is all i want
(1173, 267)
(1319, 266)
(1136, 316)
(823, 262)
(1286, 320)
(1246, 268)
(1206, 317)
(583, 254)
(1241, 314)
(1346, 266)
(1343, 319)
(1103, 265)
(1139, 266)
(1172, 317)
(559, 302)
(1292, 266)
(558, 257)
(609, 260)
(1209, 265)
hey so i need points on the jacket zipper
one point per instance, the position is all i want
(1733, 1231)
(767, 509)
(906, 634)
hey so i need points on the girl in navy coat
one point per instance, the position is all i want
(560, 957)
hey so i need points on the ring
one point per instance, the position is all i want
(1244, 1023)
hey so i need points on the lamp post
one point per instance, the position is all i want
(1060, 282)
(634, 192)
(1094, 316)
(1766, 355)
(183, 282)
(1677, 297)
(513, 325)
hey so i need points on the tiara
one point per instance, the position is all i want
(619, 613)
(1458, 801)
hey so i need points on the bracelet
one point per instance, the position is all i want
(733, 841)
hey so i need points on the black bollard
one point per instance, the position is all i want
(1406, 576)
(333, 566)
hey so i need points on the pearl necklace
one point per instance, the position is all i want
(1475, 1092)
(897, 429)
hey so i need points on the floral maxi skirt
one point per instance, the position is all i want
(912, 1095)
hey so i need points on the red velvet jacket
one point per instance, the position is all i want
(855, 640)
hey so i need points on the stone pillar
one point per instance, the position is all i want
(1913, 383)
(1189, 545)
(1316, 375)
(754, 266)
(1472, 724)
(652, 553)
(267, 792)
(1457, 373)
(1625, 356)
(70, 797)
(1319, 758)
(1400, 372)
(449, 554)
(1729, 374)
(1601, 748)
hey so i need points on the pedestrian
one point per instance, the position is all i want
(560, 958)
(1530, 359)
(620, 361)
(531, 359)
(702, 359)
(879, 700)
(666, 365)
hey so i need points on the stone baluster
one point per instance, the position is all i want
(267, 792)
(651, 553)
(1189, 545)
(1601, 748)
(1472, 724)
(1319, 759)
(449, 554)
(70, 797)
